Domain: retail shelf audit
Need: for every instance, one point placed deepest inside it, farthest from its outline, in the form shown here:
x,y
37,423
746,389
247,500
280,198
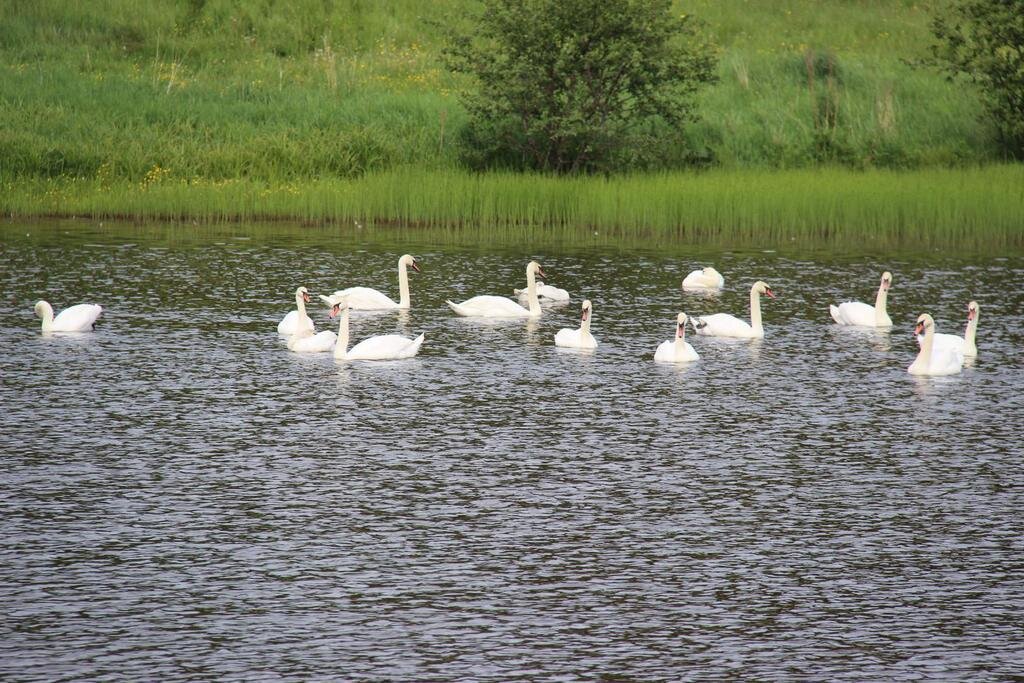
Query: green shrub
x,y
983,40
578,85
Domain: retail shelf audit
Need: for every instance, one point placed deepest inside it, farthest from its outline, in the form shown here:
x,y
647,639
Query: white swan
x,y
725,325
578,338
705,278
77,318
932,360
381,347
548,292
367,299
965,344
297,320
304,341
677,350
488,306
859,313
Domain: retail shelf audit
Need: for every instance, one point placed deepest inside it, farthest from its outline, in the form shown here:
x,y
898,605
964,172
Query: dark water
x,y
184,498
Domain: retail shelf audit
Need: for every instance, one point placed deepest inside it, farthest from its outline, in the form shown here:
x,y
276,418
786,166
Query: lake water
x,y
182,497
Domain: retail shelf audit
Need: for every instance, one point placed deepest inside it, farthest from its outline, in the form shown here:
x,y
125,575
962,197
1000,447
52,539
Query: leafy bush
x,y
578,85
984,41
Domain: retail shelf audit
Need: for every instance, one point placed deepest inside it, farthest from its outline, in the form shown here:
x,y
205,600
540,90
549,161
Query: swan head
x,y
924,323
43,310
681,325
886,281
302,293
586,310
761,287
410,262
534,268
340,304
972,310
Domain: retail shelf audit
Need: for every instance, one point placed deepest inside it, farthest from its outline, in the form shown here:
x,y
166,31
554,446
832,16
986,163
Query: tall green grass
x,y
218,89
977,208
769,112
278,91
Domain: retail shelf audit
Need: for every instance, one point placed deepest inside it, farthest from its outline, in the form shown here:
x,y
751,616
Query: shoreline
x,y
967,207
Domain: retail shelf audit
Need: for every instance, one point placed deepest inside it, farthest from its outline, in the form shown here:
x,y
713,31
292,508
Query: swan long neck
x,y
47,315
585,326
403,285
755,310
531,292
680,342
880,299
341,346
300,304
971,332
925,354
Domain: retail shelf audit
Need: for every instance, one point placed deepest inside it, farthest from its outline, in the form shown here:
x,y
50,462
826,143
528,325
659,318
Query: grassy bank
x,y
285,91
217,110
969,208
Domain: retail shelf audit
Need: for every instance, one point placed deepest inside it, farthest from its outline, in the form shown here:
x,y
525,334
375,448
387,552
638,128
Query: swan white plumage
x,y
488,306
726,325
579,338
705,278
368,299
932,360
77,318
380,347
297,320
966,344
304,341
677,350
548,292
859,313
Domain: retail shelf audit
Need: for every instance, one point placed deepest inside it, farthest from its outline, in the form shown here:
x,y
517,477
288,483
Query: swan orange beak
x,y
335,310
305,297
416,267
919,328
970,314
586,314
769,293
680,330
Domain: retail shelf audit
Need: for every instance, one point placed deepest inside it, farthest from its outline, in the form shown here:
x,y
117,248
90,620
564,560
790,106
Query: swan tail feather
x,y
834,311
455,307
414,348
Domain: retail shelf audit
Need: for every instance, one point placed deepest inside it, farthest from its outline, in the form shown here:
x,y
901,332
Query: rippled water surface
x,y
182,497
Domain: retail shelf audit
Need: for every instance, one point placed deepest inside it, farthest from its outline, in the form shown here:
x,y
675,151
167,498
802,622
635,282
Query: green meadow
x,y
822,122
